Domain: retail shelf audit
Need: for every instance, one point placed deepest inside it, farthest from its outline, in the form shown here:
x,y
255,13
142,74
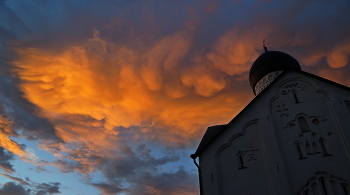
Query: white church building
x,y
293,138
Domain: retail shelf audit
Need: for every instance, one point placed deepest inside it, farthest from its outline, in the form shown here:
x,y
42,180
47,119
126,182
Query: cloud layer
x,y
97,83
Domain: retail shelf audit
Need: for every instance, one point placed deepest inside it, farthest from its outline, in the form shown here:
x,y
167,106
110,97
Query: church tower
x,y
291,139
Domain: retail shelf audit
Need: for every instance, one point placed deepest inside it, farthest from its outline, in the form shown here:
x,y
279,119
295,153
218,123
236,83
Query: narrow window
x,y
324,147
335,188
241,163
314,188
304,127
348,105
315,147
324,189
345,189
296,99
240,160
300,152
308,148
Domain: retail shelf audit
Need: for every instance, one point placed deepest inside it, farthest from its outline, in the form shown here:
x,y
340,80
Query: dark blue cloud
x,y
309,30
12,188
5,158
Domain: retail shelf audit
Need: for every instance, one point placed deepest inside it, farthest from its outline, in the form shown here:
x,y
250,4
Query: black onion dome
x,y
271,61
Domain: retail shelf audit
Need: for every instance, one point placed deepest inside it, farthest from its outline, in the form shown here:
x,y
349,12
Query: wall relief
x,y
292,87
322,183
251,151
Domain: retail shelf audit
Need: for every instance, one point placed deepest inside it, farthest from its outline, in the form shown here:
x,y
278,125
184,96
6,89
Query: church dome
x,y
270,62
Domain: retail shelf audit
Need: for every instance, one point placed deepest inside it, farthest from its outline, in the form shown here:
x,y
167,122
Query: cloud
x,y
5,157
47,188
6,142
180,182
28,186
19,180
338,57
142,171
11,188
234,52
97,83
107,189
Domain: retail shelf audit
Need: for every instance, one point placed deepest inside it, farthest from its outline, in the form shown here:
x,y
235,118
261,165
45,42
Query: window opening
x,y
314,187
308,148
296,99
304,127
324,147
240,160
315,147
300,152
324,187
345,190
348,105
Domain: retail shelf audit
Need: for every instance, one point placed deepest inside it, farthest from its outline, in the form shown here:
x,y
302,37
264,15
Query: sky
x,y
111,97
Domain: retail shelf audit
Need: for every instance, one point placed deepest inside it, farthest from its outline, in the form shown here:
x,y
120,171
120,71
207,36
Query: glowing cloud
x,y
97,84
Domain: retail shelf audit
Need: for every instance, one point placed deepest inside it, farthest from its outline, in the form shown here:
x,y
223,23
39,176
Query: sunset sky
x,y
111,97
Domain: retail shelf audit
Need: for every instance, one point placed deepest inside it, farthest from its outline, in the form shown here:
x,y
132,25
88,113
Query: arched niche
x,y
239,159
293,88
322,183
299,147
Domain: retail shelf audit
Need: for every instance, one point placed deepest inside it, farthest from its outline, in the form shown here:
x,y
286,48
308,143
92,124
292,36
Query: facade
x,y
291,139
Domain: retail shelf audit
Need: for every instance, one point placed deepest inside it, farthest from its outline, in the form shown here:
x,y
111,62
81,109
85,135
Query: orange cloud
x,y
91,89
5,141
147,78
233,53
338,57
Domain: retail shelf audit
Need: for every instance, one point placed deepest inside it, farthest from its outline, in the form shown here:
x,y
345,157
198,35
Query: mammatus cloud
x,y
97,83
339,56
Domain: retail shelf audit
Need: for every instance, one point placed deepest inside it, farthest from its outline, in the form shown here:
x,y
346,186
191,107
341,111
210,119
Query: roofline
x,y
195,155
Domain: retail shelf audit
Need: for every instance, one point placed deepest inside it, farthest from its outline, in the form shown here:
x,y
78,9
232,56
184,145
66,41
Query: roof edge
x,y
199,151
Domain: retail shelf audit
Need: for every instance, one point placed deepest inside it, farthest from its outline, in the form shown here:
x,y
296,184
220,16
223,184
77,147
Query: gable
x,y
213,132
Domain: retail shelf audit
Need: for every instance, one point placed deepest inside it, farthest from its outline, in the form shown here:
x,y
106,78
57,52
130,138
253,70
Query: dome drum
x,y
268,66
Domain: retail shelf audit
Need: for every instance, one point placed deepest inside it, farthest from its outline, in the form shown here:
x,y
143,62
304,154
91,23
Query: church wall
x,y
311,126
296,111
247,135
241,159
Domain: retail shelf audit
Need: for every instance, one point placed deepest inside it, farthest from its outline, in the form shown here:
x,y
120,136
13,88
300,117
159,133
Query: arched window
x,y
240,159
325,148
304,127
323,183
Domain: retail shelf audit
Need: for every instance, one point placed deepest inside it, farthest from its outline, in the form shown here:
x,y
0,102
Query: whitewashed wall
x,y
267,135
